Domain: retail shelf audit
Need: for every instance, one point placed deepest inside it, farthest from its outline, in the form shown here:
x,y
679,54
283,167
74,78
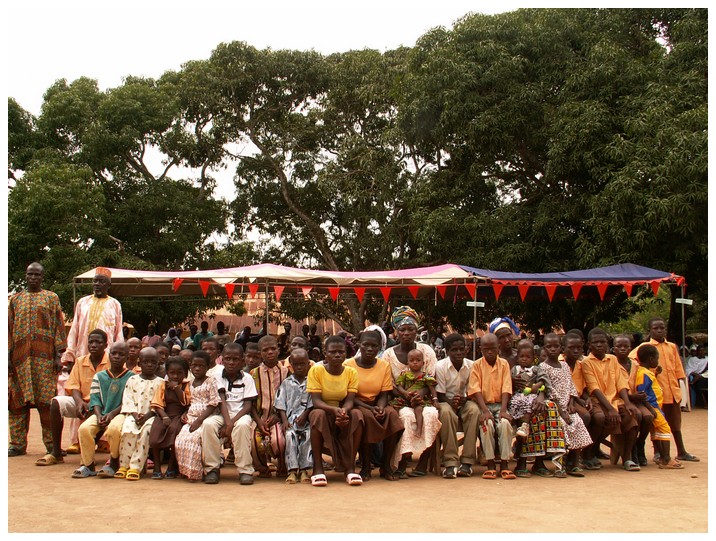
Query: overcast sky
x,y
107,41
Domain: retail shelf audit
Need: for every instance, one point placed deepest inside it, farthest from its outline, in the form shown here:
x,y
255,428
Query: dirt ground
x,y
47,499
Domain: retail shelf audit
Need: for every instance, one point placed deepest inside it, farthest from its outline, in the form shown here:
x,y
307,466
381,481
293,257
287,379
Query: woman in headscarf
x,y
505,329
406,323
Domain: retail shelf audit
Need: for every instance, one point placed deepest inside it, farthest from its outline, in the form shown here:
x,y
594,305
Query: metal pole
x,y
474,328
267,309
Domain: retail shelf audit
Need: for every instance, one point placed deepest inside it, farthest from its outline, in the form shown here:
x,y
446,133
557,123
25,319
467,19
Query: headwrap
x,y
404,315
103,271
383,340
504,323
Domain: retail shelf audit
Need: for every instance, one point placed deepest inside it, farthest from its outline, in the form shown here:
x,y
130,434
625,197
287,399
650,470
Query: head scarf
x,y
404,315
383,340
504,323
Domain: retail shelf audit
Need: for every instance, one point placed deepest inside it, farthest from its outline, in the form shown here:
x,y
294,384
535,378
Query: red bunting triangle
x,y
523,290
551,288
602,288
230,290
629,287
360,291
334,292
306,290
681,281
385,291
497,288
655,287
441,291
414,291
176,283
204,285
576,288
253,289
471,289
278,290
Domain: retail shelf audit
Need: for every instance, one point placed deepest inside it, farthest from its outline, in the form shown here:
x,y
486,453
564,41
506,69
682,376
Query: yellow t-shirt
x,y
333,389
372,381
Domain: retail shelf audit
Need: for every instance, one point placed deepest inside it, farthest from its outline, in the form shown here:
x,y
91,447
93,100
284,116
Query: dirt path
x,y
610,500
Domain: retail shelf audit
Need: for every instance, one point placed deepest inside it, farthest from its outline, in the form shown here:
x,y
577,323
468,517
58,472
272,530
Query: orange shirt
x,y
80,377
607,375
491,381
577,374
671,369
372,381
631,375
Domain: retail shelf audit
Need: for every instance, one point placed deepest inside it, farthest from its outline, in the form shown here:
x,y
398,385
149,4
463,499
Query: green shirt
x,y
106,391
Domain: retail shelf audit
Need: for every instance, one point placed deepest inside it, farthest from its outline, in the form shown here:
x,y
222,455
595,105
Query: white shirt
x,y
241,389
450,381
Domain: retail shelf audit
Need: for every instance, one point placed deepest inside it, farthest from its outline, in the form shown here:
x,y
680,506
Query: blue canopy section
x,y
625,272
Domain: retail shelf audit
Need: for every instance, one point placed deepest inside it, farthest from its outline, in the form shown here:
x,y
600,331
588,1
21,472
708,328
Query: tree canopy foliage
x,y
537,140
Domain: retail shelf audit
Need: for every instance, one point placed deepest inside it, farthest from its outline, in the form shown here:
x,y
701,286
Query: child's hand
x,y
505,415
184,419
172,385
566,418
379,413
166,420
261,426
195,425
302,419
286,427
272,420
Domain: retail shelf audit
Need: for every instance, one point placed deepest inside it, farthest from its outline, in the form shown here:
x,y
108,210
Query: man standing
x,y
36,341
96,311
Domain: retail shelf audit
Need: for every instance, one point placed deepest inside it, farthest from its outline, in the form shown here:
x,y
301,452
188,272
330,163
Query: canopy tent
x,y
439,280
534,286
254,279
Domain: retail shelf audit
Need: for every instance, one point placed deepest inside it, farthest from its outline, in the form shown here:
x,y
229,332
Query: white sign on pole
x,y
684,301
476,304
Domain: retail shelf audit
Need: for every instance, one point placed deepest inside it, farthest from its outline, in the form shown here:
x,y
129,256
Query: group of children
x,y
189,410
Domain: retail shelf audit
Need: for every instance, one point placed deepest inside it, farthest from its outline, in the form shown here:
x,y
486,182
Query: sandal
x,y
291,479
671,465
542,472
688,457
73,449
106,472
319,480
630,465
366,474
575,471
15,451
49,460
523,473
592,464
400,474
560,474
121,473
507,474
171,474
82,472
353,479
417,473
157,475
304,477
489,474
132,475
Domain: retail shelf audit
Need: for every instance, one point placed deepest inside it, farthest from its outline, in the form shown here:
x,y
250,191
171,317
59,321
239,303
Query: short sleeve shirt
x,y
237,391
333,389
372,381
491,381
452,382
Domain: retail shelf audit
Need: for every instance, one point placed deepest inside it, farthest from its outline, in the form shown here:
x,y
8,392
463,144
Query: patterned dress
x,y
267,382
137,398
36,333
293,399
575,434
187,445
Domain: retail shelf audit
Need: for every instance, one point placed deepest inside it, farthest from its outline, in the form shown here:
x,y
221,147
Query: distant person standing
x,y
36,341
151,339
203,335
192,333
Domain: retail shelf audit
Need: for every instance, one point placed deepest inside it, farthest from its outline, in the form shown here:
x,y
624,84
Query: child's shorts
x,y
660,429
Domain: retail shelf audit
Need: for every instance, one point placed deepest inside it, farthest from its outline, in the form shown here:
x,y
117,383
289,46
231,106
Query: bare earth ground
x,y
47,499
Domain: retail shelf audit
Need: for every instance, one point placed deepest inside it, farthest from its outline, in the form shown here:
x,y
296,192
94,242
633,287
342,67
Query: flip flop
x,y
523,473
319,480
157,475
507,474
630,465
171,474
49,460
132,475
106,472
542,472
688,457
82,472
353,479
489,474
15,451
417,473
575,471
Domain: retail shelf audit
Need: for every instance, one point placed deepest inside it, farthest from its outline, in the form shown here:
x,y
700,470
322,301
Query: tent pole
x,y
683,323
267,309
474,329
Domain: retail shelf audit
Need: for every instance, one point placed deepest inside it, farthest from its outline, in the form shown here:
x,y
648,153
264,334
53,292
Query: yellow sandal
x,y
121,473
133,475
